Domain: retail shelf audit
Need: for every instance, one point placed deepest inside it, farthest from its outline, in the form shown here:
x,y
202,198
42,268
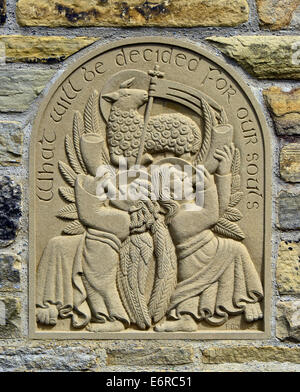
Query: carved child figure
x,y
87,291
216,276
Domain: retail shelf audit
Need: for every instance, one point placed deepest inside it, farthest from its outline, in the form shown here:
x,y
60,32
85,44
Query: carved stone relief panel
x,y
150,199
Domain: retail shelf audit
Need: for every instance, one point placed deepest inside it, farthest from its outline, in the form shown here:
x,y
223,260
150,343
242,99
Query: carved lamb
x,y
174,133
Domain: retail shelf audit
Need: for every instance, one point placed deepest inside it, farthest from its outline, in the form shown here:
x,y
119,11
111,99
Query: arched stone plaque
x,y
116,251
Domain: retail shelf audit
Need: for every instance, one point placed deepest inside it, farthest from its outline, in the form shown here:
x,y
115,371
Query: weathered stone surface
x,y
143,356
33,49
11,143
288,268
242,354
288,320
2,11
10,210
10,266
289,210
19,87
177,13
290,162
10,318
285,109
47,359
265,57
278,14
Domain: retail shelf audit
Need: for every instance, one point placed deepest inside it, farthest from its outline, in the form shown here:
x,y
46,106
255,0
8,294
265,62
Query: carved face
x,y
126,98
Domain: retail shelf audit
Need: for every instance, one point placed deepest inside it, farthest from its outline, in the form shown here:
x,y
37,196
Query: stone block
x,y
142,356
10,266
11,143
34,49
10,318
288,268
279,14
47,358
290,162
288,321
265,57
164,13
284,107
19,87
10,210
245,354
289,210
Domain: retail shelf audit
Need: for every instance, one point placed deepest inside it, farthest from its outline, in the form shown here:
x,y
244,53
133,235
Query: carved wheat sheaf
x,y
81,126
166,274
135,257
227,225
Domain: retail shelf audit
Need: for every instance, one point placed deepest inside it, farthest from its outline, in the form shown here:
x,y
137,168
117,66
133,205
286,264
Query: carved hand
x,y
225,157
208,179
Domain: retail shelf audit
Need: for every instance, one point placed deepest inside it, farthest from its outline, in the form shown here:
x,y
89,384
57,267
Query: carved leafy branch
x,y
90,123
227,225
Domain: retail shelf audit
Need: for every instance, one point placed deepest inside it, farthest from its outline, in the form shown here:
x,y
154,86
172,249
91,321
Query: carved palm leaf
x,y
72,156
91,124
78,131
236,163
74,228
229,229
68,212
235,199
91,114
233,214
236,184
67,193
67,173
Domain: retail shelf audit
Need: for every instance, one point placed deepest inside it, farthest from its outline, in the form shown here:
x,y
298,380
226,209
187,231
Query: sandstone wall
x,y
39,39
